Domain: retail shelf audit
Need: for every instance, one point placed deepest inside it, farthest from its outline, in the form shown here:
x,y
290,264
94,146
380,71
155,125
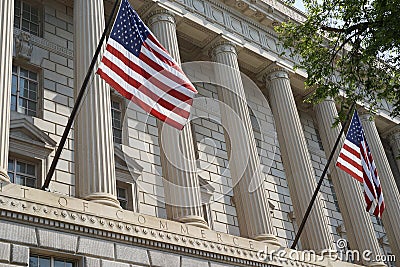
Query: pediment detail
x,y
126,163
25,131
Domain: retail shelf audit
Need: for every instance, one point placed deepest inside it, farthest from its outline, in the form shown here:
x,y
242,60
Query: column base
x,y
103,198
193,220
4,177
268,238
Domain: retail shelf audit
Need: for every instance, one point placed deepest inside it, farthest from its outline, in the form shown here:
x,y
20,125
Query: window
x,y
42,261
122,196
24,91
22,172
116,113
26,17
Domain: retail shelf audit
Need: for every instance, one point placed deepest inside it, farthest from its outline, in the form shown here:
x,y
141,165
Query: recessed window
x,y
24,91
42,261
122,196
116,113
27,17
22,172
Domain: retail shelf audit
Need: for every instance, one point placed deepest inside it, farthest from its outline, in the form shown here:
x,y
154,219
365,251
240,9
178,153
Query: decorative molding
x,y
23,46
45,44
231,21
38,208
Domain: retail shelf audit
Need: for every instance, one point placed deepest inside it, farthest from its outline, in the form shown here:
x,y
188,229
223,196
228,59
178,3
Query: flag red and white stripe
x,y
356,159
140,68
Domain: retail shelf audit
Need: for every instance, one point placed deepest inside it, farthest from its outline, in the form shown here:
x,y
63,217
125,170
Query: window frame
x,y
18,95
56,257
35,4
19,63
119,99
25,161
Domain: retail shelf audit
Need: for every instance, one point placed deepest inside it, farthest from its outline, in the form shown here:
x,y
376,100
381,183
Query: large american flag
x,y
356,159
141,69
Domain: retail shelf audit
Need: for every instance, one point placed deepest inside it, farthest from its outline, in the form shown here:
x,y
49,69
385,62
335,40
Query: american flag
x,y
141,69
356,159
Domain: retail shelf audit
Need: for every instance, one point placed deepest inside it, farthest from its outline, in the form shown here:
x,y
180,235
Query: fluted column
x,y
394,139
296,159
178,160
244,163
391,215
6,39
359,228
94,149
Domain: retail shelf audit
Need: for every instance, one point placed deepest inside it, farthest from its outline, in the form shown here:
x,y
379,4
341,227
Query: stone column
x,y
6,46
296,159
244,163
358,224
391,215
394,139
178,160
94,148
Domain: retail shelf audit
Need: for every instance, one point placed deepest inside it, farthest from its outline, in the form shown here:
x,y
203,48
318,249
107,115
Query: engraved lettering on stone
x,y
219,237
184,229
141,219
251,244
119,214
25,190
235,241
85,206
203,234
163,225
62,201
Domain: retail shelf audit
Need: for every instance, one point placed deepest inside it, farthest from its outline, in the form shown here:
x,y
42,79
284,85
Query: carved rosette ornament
x,y
23,46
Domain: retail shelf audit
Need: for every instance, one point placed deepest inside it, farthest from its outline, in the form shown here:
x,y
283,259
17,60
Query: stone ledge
x,y
39,208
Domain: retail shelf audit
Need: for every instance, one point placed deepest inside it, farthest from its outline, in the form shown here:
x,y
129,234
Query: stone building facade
x,y
120,195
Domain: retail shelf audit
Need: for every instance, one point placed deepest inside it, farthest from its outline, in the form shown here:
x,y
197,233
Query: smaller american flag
x,y
140,68
356,159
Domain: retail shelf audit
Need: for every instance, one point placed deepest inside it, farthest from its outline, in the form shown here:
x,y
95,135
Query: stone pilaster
x,y
391,215
394,139
94,148
251,201
178,160
6,46
358,224
300,174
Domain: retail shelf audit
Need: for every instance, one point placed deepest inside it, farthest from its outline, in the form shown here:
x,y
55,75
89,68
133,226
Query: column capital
x,y
222,46
276,72
161,15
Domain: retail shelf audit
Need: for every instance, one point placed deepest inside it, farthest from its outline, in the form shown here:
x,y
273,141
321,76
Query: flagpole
x,y
79,99
308,211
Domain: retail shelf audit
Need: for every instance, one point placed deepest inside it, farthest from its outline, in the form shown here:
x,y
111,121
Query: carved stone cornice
x,y
226,21
43,209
